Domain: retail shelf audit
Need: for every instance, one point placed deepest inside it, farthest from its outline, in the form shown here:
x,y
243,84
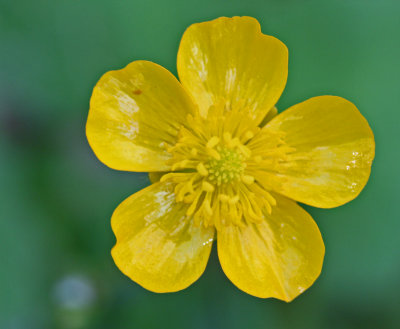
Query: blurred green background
x,y
56,198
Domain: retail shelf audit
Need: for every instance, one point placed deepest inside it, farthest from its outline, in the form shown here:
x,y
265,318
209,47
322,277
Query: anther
x,y
233,200
223,197
245,150
207,187
193,206
180,164
207,207
213,141
202,169
234,142
247,179
193,152
271,199
214,153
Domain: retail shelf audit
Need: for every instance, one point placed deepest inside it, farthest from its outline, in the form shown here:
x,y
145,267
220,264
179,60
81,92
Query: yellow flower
x,y
229,167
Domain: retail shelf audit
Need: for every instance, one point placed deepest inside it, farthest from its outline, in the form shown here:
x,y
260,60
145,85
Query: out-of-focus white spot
x,y
74,292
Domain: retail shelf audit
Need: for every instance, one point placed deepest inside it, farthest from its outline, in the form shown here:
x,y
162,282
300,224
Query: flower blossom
x,y
225,166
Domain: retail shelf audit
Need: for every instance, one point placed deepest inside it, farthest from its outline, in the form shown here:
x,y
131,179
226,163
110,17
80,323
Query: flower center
x,y
228,168
215,165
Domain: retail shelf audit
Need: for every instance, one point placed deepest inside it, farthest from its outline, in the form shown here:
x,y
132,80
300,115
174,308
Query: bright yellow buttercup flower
x,y
229,166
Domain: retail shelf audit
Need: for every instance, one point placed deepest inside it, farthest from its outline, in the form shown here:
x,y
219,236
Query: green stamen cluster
x,y
228,168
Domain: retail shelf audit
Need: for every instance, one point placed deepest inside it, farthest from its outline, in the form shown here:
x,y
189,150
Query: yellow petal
x,y
279,257
134,113
157,244
230,59
332,156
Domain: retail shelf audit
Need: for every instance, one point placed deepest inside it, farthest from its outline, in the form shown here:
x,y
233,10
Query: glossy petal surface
x,y
333,152
157,244
230,59
134,113
279,257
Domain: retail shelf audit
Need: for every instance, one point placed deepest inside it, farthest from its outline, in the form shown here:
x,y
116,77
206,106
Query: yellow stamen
x,y
213,141
207,187
223,198
216,162
214,153
201,169
247,179
179,165
234,199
